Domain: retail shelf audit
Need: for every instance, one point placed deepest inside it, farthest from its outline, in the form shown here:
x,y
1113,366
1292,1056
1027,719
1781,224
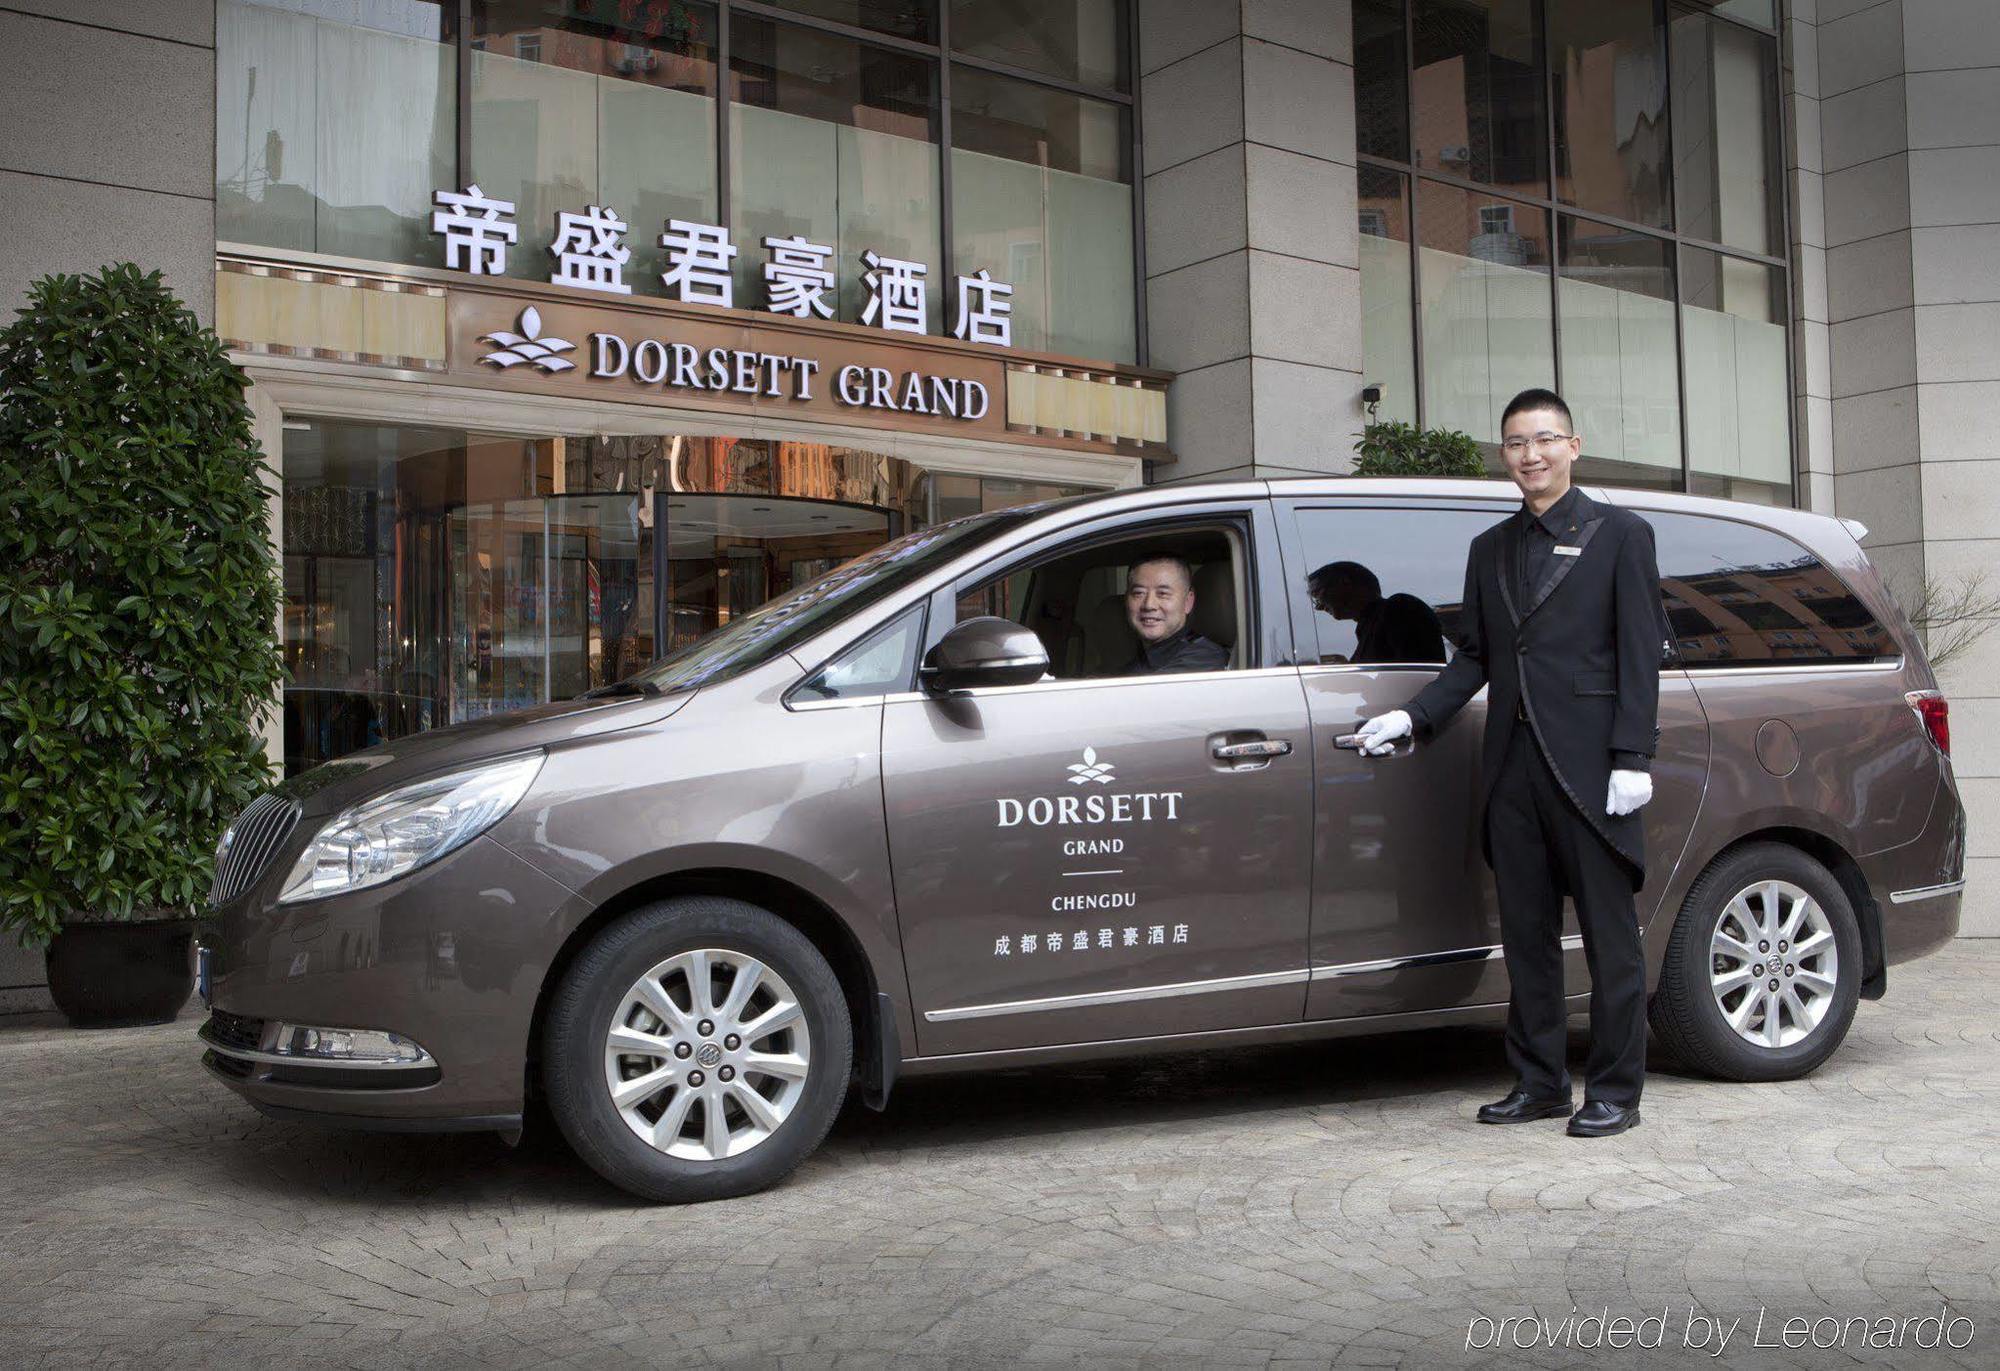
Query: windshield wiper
x,y
629,686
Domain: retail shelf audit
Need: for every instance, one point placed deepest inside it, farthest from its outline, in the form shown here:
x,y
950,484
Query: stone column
x,y
1910,122
109,153
1253,288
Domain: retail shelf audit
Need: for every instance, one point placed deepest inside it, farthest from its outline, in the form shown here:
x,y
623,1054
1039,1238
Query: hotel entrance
x,y
438,575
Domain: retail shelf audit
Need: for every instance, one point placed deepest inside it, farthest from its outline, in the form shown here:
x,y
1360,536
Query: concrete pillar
x,y
1910,129
1253,287
109,154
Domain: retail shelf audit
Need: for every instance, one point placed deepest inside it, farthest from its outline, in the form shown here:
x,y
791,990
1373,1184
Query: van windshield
x,y
778,625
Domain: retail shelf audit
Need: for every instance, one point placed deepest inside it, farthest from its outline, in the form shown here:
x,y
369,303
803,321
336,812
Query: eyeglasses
x,y
1544,441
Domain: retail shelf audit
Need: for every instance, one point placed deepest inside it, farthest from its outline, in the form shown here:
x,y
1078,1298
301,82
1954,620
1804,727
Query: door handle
x,y
1402,747
1262,747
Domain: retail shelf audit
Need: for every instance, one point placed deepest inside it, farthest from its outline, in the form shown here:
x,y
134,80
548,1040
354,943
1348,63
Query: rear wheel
x,y
699,1048
1763,970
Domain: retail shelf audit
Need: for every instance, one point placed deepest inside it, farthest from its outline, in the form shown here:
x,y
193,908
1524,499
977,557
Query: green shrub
x,y
138,598
1398,449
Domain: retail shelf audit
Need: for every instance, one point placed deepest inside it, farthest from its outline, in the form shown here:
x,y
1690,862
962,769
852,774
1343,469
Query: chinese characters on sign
x,y
1055,940
798,275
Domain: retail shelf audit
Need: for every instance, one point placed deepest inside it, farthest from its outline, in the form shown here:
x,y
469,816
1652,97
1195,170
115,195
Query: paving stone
x,y
1309,1205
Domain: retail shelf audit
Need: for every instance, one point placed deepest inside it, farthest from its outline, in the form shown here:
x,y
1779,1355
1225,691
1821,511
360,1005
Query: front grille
x,y
234,1030
259,831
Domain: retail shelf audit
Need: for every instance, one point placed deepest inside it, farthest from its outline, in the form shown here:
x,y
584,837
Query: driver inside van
x,y
1159,596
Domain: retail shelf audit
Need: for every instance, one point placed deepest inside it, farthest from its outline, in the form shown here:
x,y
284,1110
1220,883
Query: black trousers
x,y
1543,849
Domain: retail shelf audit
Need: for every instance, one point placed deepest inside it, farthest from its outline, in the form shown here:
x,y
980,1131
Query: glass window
x,y
1739,595
1083,606
1478,92
904,18
1726,184
885,662
1609,67
434,575
300,161
1381,80
1750,11
570,110
1619,370
1386,585
1042,198
1486,313
1077,40
831,139
1387,322
794,617
1738,394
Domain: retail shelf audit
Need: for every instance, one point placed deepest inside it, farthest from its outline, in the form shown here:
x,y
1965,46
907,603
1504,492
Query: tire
x,y
1691,1010
799,1070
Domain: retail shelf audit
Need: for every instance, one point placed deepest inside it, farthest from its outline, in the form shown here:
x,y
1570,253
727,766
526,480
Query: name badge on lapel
x,y
1562,551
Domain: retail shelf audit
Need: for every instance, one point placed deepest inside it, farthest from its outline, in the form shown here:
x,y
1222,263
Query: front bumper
x,y
450,959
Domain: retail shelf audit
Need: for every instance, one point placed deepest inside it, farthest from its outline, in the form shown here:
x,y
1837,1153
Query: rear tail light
x,y
1934,714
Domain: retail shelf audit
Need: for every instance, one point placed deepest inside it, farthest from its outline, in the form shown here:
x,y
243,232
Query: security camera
x,y
1372,393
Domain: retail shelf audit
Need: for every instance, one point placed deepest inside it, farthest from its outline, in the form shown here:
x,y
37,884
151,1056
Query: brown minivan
x,y
914,817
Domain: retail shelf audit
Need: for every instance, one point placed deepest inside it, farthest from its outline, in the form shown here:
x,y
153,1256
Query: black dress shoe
x,y
1521,1107
1600,1120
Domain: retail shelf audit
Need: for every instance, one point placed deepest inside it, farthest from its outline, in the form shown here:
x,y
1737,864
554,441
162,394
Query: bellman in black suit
x,y
1562,622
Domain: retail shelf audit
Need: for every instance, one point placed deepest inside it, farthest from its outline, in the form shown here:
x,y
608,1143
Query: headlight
x,y
394,834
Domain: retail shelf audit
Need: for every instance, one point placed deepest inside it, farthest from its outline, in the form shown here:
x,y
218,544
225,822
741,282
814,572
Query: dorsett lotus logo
x,y
528,346
1090,769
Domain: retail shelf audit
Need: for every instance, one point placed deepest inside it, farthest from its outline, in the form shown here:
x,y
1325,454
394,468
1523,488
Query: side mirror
x,y
986,651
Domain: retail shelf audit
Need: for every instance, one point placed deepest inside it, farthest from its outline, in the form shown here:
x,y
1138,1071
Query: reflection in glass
x,y
1739,595
1042,198
1478,88
1725,134
904,18
1387,330
1739,434
570,111
1387,584
1750,11
1381,89
299,161
1077,40
1484,268
831,140
1618,366
1609,68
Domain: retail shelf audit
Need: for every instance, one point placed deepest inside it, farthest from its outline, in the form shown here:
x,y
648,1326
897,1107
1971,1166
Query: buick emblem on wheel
x,y
1091,778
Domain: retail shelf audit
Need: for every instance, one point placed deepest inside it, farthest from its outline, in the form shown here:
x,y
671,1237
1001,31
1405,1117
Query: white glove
x,y
1629,790
1378,735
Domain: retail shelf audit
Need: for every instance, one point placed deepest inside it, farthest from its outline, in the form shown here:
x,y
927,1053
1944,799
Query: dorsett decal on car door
x,y
1090,808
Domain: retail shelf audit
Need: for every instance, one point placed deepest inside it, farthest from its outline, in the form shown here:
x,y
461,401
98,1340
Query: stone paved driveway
x,y
1319,1204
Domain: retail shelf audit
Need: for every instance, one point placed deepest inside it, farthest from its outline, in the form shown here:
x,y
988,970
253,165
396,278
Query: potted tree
x,y
138,599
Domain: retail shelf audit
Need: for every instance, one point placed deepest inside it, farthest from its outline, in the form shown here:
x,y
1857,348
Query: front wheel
x,y
698,1049
1763,970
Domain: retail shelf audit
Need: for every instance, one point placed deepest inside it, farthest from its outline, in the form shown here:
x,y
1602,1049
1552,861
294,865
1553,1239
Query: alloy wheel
x,y
707,1054
1773,964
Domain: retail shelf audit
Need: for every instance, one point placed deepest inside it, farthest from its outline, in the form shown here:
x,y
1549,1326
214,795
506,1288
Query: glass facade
x,y
1582,194
438,575
956,135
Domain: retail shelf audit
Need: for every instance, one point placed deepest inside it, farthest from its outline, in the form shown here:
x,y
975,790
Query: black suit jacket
x,y
1583,655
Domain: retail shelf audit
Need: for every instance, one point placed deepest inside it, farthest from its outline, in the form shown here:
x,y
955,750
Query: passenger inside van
x,y
1080,605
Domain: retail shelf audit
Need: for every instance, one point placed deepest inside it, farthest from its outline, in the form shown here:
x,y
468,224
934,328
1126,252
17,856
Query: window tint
x,y
1385,584
882,663
1739,595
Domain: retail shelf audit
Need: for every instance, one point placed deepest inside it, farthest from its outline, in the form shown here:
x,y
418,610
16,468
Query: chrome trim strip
x,y
1926,892
1893,664
1101,997
1343,668
427,1062
1570,943
1100,682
